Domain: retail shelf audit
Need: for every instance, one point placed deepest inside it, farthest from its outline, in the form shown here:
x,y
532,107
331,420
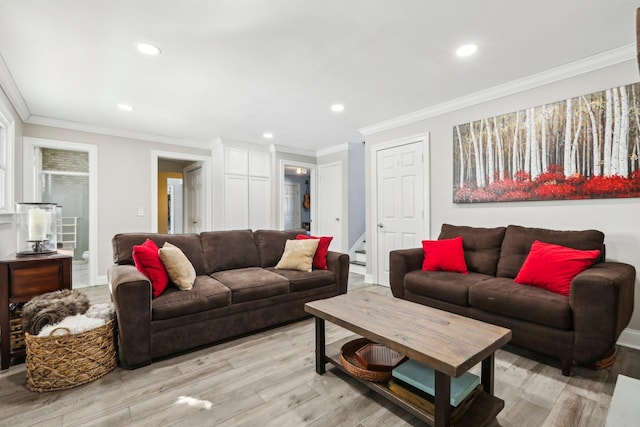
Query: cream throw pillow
x,y
298,255
178,266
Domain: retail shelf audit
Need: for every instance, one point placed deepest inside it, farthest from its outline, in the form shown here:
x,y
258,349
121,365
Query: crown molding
x,y
291,150
83,127
8,84
331,150
582,66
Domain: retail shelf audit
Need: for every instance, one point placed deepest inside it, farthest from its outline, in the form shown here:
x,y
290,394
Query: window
x,y
7,137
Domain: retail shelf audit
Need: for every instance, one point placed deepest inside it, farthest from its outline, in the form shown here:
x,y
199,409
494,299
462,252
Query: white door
x,y
259,203
330,203
399,210
291,206
236,202
193,198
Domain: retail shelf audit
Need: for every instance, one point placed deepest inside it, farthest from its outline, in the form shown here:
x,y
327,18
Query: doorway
x,y
297,205
180,192
65,173
400,200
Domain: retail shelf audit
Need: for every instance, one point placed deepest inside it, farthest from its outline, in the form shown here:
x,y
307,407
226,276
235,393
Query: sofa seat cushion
x,y
207,293
302,281
253,283
505,297
443,285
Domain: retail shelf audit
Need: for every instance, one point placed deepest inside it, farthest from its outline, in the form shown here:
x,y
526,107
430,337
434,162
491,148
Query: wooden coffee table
x,y
449,343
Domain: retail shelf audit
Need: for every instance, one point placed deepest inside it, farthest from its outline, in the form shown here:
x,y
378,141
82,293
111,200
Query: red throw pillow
x,y
444,255
147,261
320,257
552,267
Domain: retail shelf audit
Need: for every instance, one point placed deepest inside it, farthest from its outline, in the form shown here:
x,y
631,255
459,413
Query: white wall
x,y
7,224
357,213
124,168
619,219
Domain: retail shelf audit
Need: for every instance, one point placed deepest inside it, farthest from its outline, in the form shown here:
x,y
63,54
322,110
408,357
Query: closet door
x,y
236,202
259,203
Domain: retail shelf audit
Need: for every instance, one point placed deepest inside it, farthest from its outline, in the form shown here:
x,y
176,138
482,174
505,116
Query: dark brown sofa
x,y
237,290
581,328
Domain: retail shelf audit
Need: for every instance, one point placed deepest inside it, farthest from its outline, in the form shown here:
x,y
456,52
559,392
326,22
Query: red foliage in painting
x,y
634,181
601,186
554,191
515,196
551,185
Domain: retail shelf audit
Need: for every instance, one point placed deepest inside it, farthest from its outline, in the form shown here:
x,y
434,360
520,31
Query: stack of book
x,y
415,383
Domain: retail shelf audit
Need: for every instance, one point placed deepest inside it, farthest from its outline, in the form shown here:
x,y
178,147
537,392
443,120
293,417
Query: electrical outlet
x,y
140,211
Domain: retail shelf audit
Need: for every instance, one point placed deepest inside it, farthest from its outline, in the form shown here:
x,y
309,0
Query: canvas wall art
x,y
580,148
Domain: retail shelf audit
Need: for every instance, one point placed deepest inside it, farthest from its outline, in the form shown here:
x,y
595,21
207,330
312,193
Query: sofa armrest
x,y
401,262
601,300
131,295
338,263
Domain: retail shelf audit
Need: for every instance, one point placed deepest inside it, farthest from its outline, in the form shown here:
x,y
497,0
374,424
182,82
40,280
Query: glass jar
x,y
36,228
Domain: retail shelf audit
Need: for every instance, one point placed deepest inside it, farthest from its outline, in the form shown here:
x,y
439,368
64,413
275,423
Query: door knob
x,y
380,225
337,219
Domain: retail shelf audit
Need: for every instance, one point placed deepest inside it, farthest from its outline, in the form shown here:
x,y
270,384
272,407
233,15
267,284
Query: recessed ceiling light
x,y
466,50
125,107
267,135
337,108
148,49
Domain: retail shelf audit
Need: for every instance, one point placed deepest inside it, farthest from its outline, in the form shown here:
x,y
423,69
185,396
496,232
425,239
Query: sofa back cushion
x,y
481,246
189,244
270,244
518,240
228,250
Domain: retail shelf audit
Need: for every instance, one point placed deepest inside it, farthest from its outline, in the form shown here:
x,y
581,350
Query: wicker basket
x,y
353,366
59,362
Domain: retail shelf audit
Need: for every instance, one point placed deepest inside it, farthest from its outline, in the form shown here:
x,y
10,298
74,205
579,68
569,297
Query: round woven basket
x,y
351,364
58,362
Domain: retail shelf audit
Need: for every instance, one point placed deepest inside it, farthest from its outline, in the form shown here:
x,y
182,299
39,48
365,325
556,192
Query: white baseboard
x,y
102,280
368,278
630,338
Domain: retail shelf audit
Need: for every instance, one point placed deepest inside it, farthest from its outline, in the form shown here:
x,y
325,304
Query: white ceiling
x,y
238,68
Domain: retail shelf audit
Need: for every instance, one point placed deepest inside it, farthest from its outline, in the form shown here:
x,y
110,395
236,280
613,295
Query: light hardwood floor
x,y
268,379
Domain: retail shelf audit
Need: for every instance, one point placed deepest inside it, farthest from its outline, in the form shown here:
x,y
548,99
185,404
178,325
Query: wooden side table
x,y
22,278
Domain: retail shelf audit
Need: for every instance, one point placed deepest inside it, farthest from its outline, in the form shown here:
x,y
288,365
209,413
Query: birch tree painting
x,y
581,148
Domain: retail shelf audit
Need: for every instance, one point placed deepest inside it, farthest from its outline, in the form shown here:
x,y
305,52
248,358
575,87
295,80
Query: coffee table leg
x,y
486,377
320,355
442,398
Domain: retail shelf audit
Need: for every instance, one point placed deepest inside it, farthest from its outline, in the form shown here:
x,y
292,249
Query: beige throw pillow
x,y
178,266
298,255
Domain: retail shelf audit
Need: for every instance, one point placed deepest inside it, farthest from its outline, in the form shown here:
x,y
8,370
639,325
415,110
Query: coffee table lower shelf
x,y
482,411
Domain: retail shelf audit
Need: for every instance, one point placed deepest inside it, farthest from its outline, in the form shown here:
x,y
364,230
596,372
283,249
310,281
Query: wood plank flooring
x,y
268,379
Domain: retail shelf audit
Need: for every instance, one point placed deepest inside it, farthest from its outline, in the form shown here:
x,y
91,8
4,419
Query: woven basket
x,y
58,362
353,366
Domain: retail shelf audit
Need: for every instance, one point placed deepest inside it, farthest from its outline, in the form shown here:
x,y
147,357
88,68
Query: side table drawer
x,y
27,282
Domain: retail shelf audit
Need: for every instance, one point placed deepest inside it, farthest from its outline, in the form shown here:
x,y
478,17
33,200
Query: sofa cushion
x,y
301,281
481,246
254,283
207,293
443,285
189,244
444,255
505,297
226,250
179,269
320,257
148,262
298,255
553,267
518,240
270,244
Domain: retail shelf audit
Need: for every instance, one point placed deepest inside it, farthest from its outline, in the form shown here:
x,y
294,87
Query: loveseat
x,y
237,290
580,328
